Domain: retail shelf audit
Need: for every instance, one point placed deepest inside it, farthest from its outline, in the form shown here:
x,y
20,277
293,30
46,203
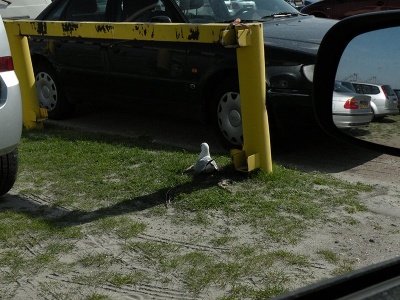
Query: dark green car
x,y
189,80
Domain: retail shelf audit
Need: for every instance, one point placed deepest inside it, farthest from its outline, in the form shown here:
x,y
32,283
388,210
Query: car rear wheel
x,y
51,93
227,115
8,171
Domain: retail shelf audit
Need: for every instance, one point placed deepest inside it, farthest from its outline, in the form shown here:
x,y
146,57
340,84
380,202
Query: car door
x,y
147,73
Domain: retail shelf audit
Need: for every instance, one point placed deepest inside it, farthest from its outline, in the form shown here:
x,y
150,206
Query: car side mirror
x,y
362,52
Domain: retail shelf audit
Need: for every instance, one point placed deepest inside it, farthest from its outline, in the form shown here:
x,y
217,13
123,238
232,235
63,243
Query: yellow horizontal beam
x,y
170,32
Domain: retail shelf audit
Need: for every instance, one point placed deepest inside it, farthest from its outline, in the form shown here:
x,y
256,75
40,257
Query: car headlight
x,y
308,72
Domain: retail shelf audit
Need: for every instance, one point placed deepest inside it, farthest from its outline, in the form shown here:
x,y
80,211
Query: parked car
x,y
383,99
10,116
298,4
192,80
339,9
308,2
22,9
349,109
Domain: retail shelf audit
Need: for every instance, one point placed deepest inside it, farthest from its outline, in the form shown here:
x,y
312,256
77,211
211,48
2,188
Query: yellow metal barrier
x,y
248,39
33,115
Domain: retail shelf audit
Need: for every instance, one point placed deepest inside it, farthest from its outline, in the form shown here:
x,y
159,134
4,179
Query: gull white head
x,y
205,150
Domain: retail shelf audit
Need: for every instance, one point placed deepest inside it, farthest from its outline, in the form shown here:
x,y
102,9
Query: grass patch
x,y
166,224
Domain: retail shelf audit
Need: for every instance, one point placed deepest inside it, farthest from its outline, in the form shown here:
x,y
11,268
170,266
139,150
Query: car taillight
x,y
384,91
6,64
351,104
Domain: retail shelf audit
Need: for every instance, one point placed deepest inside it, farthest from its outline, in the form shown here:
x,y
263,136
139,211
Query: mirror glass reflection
x,y
366,96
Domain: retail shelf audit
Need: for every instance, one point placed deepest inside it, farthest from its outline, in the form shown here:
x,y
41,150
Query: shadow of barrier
x,y
246,38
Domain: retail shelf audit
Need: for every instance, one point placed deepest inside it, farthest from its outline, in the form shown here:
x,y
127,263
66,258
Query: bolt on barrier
x,y
246,38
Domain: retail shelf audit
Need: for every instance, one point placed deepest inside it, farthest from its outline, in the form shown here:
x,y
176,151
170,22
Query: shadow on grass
x,y
37,207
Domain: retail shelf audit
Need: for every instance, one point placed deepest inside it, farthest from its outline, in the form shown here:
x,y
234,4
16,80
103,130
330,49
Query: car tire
x,y
8,171
374,117
51,92
226,114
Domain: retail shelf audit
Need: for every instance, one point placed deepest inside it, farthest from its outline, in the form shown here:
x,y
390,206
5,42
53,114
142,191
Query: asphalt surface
x,y
307,152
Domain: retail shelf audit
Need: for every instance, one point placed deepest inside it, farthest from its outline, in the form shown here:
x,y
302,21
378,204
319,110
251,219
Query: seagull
x,y
205,164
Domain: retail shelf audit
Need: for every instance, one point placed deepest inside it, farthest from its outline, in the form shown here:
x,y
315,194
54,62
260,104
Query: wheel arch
x,y
38,57
211,83
209,87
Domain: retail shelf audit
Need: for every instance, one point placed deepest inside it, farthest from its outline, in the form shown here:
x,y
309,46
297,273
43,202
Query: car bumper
x,y
10,112
351,121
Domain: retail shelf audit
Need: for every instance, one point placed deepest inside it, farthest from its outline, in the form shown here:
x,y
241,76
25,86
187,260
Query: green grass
x,y
110,187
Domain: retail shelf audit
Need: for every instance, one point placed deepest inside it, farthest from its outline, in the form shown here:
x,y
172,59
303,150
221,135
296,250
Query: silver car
x,y
10,115
349,109
22,9
383,99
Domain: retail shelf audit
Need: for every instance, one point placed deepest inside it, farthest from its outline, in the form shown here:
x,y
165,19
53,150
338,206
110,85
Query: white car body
x,y
22,9
10,115
384,101
349,109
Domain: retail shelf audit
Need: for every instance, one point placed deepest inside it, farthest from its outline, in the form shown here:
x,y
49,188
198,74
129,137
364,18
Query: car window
x,y
370,89
203,11
357,87
56,13
89,10
339,88
141,11
349,86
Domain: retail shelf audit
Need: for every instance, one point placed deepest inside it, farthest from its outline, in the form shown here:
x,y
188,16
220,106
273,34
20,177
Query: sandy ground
x,y
374,239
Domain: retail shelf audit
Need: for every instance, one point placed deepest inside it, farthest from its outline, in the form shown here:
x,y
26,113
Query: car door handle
x,y
380,3
115,48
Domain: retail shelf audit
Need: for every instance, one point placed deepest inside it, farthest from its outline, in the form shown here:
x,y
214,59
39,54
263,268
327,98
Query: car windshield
x,y
341,88
203,11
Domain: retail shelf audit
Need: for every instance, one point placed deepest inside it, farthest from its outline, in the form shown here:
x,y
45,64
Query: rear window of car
x,y
389,90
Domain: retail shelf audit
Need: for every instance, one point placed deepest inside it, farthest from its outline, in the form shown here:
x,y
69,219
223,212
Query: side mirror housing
x,y
334,45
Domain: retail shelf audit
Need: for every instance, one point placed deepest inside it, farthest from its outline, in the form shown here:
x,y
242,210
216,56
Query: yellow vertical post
x,y
251,67
33,115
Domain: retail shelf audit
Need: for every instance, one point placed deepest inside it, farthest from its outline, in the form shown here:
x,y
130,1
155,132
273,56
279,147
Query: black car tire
x,y
8,171
226,114
51,92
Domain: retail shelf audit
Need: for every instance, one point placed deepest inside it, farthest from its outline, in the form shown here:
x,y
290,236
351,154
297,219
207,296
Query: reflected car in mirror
x,y
349,109
384,101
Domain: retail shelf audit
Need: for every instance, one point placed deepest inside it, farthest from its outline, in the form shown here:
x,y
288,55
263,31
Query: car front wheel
x,y
51,93
8,171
